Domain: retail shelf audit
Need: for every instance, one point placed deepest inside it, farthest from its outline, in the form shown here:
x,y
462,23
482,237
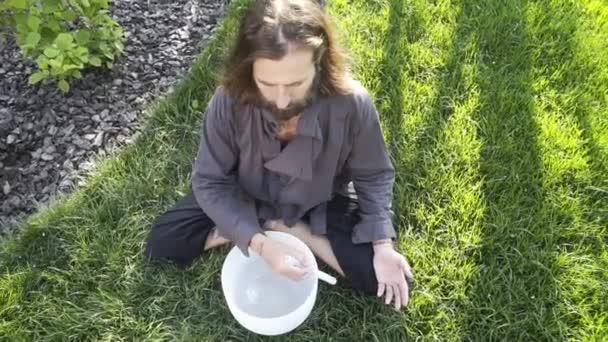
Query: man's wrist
x,y
382,243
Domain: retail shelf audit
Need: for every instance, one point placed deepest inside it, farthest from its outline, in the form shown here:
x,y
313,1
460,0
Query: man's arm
x,y
214,180
373,175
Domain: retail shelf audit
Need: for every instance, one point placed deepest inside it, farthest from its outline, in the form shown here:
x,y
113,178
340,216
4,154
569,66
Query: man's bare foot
x,y
214,240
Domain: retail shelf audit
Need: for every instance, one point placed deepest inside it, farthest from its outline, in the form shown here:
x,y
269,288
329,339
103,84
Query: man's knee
x,y
357,261
153,245
363,280
176,241
160,243
157,250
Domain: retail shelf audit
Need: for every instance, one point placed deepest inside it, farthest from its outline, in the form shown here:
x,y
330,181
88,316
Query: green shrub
x,y
63,36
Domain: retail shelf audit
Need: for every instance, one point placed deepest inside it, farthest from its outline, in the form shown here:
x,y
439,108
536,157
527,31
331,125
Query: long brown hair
x,y
265,31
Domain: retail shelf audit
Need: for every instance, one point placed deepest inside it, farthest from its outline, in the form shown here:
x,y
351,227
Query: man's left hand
x,y
391,270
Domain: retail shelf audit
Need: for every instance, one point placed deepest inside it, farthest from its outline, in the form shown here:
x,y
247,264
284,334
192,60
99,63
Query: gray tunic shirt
x,y
242,176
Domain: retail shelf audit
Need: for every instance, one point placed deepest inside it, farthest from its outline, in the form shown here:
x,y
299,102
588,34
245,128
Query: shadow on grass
x,y
403,29
513,295
573,96
580,88
411,150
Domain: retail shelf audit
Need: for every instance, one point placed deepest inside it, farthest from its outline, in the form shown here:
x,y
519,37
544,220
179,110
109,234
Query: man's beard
x,y
294,108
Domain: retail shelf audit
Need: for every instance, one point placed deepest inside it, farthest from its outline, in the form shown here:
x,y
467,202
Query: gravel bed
x,y
48,139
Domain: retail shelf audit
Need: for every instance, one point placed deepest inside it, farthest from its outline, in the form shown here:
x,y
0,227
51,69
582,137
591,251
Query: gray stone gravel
x,y
47,138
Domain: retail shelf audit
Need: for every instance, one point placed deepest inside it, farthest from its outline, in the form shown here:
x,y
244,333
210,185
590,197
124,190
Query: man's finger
x,y
397,295
409,276
405,297
297,258
304,262
389,294
381,287
408,270
296,273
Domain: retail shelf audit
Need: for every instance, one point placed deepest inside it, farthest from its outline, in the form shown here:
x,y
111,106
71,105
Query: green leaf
x,y
55,66
108,55
86,3
64,86
21,22
51,52
64,41
22,29
77,74
47,36
56,69
50,6
36,77
75,4
69,15
42,62
53,24
67,67
119,46
195,104
33,23
82,37
32,39
18,4
81,51
34,10
95,61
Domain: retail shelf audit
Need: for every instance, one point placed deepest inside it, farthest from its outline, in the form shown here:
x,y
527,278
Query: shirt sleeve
x,y
372,174
214,179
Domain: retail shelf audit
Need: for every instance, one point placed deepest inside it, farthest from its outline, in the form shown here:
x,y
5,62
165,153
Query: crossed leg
x,y
184,232
319,245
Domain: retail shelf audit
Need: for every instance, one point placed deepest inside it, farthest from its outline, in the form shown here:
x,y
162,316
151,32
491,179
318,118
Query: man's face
x,y
287,84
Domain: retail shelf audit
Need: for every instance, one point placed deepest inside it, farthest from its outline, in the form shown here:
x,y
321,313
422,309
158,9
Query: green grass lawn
x,y
496,116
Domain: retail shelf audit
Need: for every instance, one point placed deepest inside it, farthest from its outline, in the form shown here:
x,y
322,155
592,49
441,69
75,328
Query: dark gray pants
x,y
180,233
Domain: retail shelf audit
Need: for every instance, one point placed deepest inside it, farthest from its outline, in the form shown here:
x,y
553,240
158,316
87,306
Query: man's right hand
x,y
277,255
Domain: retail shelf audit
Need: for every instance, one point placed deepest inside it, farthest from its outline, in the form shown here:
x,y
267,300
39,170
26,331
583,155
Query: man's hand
x,y
282,258
391,270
